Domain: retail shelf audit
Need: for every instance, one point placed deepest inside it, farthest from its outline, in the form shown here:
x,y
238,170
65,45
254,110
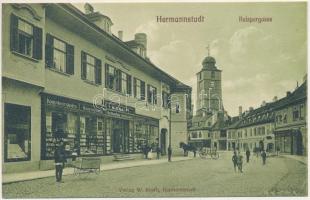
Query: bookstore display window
x,y
88,132
17,132
140,136
60,126
153,137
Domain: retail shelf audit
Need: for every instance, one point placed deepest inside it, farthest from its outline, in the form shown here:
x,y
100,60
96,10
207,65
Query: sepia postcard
x,y
154,99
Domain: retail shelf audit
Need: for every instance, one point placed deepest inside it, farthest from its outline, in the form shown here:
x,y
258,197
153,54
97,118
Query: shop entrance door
x,y
120,134
116,141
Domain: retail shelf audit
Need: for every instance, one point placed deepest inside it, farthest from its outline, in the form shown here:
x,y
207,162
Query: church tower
x,y
209,88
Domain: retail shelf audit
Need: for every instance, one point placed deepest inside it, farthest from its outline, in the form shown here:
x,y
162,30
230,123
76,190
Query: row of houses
x,y
280,125
65,76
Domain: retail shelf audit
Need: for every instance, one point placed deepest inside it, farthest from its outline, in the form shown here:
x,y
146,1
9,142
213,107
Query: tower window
x,y
212,74
200,75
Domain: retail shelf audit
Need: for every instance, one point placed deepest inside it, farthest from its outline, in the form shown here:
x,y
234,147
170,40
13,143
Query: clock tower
x,y
209,88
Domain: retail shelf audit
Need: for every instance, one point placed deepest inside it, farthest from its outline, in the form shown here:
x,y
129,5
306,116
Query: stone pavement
x,y
303,159
24,176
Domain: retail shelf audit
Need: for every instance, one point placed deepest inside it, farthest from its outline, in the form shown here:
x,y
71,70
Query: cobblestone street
x,y
197,177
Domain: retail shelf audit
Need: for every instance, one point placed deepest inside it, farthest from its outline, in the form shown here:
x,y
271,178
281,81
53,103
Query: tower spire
x,y
208,48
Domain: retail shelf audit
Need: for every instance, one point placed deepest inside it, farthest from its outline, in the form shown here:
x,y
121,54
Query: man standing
x,y
248,153
60,159
234,160
169,153
264,156
158,152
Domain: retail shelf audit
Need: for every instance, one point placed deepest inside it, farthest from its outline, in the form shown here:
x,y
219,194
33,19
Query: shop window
x,y
17,144
91,68
26,39
151,94
88,135
140,136
59,55
139,89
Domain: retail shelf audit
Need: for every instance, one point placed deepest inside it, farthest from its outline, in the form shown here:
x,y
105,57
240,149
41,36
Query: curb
x,y
101,170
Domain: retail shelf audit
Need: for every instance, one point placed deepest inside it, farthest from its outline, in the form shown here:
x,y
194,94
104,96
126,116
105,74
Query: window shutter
x,y
155,96
83,65
149,99
98,73
49,52
37,43
118,80
14,33
128,84
70,59
135,87
142,90
106,74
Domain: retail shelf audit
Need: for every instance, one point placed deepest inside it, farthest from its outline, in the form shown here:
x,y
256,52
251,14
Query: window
x,y
194,134
139,89
17,140
113,78
200,135
151,94
212,74
25,38
59,55
177,109
165,100
295,114
91,68
302,112
200,75
126,84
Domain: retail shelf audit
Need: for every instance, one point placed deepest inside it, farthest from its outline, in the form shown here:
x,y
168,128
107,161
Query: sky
x,y
258,60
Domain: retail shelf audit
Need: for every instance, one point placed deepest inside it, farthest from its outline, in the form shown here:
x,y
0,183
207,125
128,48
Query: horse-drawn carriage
x,y
211,153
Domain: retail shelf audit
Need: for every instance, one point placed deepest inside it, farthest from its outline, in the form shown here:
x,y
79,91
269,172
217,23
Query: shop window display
x,y
17,132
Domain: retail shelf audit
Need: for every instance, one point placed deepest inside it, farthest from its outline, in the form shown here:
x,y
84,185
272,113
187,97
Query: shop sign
x,y
54,101
113,106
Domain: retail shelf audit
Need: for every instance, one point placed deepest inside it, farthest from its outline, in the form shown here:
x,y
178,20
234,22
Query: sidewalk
x,y
16,177
302,159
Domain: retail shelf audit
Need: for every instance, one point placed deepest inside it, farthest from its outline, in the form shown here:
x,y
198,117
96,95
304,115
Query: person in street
x,y
264,156
158,152
278,150
60,159
247,153
195,151
234,160
240,162
169,153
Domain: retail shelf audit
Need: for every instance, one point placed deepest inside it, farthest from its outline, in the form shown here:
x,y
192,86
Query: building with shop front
x,y
66,77
291,135
280,125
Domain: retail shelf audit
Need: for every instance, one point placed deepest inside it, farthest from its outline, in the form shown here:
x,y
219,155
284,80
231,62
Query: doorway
x,y
163,141
120,134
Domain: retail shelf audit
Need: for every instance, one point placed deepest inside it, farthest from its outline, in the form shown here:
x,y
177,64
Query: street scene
x,y
154,100
196,177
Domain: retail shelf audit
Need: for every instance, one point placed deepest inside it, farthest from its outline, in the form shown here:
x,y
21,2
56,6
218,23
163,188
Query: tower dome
x,y
209,62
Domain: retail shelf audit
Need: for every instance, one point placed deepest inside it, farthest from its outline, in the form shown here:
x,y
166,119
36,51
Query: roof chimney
x,y
120,35
240,111
88,8
275,98
141,39
264,103
288,93
251,109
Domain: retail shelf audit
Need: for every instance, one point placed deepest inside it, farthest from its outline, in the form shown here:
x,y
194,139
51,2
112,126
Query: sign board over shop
x,y
108,107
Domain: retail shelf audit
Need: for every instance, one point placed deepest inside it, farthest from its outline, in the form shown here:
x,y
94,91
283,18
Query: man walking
x,y
169,153
158,152
60,159
264,156
247,153
240,162
234,160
